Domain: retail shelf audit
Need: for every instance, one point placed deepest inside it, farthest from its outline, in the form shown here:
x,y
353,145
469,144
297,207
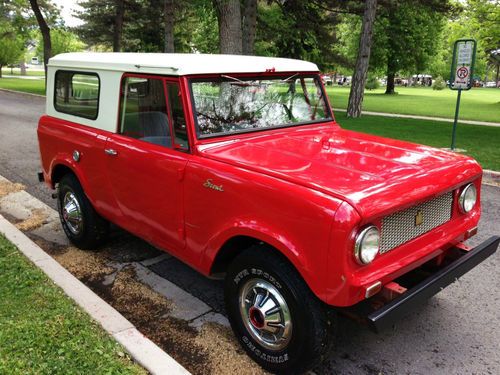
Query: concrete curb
x,y
22,93
142,350
491,177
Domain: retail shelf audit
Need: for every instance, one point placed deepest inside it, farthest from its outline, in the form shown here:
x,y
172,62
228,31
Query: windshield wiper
x,y
253,83
239,81
287,79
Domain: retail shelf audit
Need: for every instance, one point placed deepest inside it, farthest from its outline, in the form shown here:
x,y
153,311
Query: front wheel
x,y
276,318
81,223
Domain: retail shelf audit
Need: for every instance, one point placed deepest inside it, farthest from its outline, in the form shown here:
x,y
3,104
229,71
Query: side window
x,y
178,118
143,110
77,93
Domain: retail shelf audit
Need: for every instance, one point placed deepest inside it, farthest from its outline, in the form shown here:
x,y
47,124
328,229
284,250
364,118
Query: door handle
x,y
110,151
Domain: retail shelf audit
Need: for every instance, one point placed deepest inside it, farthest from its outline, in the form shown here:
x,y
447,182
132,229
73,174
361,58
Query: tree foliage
x,y
410,36
11,46
19,24
195,25
439,83
298,29
19,15
372,83
406,38
62,41
478,19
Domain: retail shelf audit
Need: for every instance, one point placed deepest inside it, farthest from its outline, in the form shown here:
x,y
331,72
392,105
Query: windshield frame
x,y
223,77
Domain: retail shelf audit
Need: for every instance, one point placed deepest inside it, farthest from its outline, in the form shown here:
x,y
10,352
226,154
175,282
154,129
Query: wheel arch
x,y
60,167
220,258
59,171
233,247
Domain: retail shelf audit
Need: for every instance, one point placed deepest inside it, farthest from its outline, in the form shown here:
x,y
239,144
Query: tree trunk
x,y
229,17
391,73
365,43
249,26
118,29
169,26
23,68
498,74
1,66
45,30
390,82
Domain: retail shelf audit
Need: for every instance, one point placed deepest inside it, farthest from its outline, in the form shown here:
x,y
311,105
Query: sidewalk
x,y
442,119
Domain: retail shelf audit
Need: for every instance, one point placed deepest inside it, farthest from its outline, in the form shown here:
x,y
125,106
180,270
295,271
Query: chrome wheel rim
x,y
265,314
72,213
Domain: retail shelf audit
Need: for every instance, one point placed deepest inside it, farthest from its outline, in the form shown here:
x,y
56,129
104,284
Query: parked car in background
x,y
327,79
491,84
236,165
344,80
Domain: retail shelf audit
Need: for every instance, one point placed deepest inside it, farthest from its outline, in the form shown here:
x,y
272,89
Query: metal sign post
x,y
462,68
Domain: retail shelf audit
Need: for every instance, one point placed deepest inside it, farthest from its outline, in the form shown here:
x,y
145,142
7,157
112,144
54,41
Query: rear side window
x,y
77,93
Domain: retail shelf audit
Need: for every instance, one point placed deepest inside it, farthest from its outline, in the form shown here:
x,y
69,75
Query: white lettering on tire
x,y
266,357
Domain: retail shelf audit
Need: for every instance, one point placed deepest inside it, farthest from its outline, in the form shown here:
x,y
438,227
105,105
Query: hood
x,y
373,174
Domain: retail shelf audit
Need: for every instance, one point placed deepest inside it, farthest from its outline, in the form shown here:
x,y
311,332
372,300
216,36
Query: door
x,y
146,161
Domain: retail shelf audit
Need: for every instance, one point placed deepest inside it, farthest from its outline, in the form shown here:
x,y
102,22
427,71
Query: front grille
x,y
401,226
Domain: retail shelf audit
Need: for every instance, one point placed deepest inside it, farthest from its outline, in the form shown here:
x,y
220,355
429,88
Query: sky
x,y
68,6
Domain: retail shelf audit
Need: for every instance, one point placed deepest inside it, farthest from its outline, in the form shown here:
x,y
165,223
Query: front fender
x,y
313,272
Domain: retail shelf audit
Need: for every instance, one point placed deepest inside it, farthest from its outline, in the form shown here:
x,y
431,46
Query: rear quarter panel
x,y
58,139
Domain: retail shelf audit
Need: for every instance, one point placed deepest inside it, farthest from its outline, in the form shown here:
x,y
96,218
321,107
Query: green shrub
x,y
372,83
439,84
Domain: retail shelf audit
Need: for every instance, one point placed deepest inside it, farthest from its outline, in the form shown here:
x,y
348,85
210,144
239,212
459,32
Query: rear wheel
x,y
276,318
81,223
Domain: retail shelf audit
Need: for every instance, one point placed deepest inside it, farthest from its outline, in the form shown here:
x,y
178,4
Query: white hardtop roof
x,y
178,63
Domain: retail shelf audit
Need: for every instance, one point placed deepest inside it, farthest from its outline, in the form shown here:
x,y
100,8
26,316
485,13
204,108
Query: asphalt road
x,y
456,332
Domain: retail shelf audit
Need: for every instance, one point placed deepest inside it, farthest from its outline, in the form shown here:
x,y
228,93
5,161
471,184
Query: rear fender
x,y
66,160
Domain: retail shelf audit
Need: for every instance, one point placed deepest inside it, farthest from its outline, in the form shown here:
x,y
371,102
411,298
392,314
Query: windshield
x,y
231,104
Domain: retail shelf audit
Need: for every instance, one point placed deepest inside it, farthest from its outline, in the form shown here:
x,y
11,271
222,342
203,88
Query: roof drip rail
x,y
156,67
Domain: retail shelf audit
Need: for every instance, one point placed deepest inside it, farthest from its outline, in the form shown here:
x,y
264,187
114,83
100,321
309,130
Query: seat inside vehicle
x,y
150,127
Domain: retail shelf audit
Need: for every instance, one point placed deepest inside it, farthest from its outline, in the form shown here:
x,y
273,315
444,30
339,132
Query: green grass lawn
x,y
481,104
17,72
25,85
43,332
481,142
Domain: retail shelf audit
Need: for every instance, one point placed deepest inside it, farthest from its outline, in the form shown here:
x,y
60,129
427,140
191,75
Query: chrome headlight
x,y
367,245
467,198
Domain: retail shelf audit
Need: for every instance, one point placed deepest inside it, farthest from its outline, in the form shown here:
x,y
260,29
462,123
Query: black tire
x,y
312,325
93,230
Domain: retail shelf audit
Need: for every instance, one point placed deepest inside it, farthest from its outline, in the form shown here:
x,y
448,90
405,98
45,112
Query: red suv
x,y
236,165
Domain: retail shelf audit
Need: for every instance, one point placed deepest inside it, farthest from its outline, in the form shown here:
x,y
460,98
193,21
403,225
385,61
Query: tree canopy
x,y
409,36
11,46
